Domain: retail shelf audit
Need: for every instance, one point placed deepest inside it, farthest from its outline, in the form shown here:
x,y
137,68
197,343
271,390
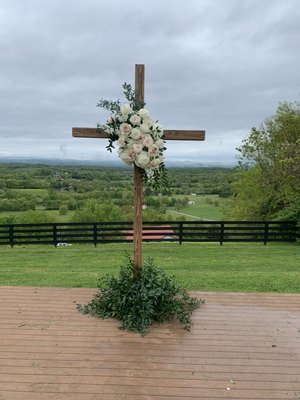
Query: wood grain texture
x,y
197,135
139,85
247,342
184,135
89,133
137,177
137,217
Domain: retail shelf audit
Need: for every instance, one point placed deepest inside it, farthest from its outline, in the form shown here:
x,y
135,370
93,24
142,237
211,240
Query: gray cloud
x,y
217,65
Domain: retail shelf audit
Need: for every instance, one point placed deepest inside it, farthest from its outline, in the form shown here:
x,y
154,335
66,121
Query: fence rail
x,y
171,231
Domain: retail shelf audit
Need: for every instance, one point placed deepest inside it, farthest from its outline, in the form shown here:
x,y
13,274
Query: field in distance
x,y
201,207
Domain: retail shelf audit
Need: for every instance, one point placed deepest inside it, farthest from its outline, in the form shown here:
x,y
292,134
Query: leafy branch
x,y
112,106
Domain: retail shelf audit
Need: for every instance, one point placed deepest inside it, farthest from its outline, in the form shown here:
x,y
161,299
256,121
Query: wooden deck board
x,y
242,346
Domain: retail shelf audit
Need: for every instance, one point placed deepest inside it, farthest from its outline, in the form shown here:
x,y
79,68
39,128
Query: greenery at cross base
x,y
267,183
141,297
233,267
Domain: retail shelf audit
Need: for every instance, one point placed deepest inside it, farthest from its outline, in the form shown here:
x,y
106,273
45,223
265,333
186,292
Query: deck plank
x,y
241,346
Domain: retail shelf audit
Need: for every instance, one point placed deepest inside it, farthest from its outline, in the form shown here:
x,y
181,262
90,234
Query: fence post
x,y
266,233
55,235
293,230
222,233
95,234
180,232
11,235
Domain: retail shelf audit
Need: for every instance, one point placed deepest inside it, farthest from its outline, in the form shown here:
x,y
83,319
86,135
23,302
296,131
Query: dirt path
x,y
191,216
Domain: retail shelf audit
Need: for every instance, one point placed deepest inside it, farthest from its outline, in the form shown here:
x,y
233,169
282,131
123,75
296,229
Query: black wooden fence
x,y
176,231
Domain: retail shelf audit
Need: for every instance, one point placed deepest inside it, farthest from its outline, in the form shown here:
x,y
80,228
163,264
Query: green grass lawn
x,y
201,208
8,213
197,266
56,215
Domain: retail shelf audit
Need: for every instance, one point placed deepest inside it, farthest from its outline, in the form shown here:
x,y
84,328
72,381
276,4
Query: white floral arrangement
x,y
138,136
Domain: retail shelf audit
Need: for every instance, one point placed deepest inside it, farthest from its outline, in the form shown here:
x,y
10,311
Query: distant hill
x,y
58,161
108,163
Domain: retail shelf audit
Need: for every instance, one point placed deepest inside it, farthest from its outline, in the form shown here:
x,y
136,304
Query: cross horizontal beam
x,y
168,134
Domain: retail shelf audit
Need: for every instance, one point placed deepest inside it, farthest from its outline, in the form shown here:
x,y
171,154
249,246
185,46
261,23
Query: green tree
x,y
154,215
268,179
92,211
36,217
63,209
7,219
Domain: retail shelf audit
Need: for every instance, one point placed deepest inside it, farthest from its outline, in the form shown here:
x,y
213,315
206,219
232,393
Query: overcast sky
x,y
218,65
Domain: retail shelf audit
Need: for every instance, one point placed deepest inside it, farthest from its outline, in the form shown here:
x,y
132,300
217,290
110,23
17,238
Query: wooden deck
x,y
242,346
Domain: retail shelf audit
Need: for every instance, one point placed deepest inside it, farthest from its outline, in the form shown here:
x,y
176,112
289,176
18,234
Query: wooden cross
x,y
138,188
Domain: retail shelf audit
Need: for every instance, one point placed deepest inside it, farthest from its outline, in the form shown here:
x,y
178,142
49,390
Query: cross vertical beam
x,y
138,186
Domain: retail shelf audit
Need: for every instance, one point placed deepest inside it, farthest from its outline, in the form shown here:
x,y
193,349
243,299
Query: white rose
x,y
125,129
144,113
125,109
137,148
160,143
136,134
149,121
148,141
155,163
145,128
135,119
153,150
143,159
127,156
121,141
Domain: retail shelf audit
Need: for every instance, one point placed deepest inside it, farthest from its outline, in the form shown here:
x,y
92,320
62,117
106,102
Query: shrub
x,y
93,211
7,219
36,217
138,301
63,209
